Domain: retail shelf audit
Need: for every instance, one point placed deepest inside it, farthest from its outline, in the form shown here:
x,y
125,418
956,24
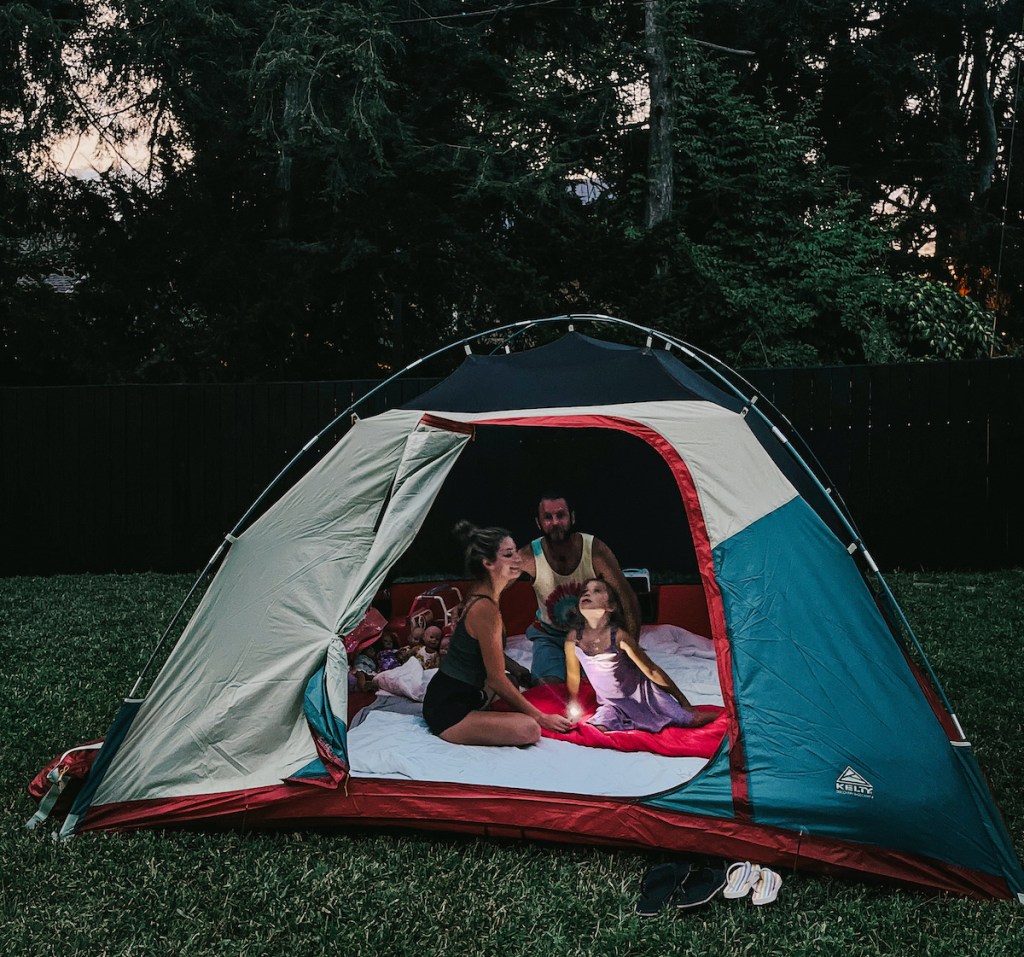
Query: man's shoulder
x,y
601,552
528,553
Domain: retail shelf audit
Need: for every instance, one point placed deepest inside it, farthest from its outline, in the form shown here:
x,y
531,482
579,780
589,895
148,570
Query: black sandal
x,y
700,888
658,885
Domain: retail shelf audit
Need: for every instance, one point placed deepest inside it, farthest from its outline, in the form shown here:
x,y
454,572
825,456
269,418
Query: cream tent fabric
x,y
306,571
225,713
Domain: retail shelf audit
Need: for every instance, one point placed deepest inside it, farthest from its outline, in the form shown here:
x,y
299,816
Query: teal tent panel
x,y
111,742
998,834
708,793
329,728
838,738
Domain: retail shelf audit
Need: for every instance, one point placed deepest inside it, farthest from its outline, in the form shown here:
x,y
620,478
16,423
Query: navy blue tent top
x,y
575,370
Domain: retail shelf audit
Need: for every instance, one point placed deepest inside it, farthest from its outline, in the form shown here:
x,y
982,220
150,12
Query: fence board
x,y
1006,458
858,441
927,457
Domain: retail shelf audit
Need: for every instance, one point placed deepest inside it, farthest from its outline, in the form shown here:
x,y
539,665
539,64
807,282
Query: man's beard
x,y
558,535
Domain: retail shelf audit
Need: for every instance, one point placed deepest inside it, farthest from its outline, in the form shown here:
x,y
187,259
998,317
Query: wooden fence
x,y
929,458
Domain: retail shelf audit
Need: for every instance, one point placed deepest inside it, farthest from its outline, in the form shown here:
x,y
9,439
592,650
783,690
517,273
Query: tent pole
x,y
695,353
134,693
230,538
857,543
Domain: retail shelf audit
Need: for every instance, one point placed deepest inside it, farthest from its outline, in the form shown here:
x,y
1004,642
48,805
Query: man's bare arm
x,y
528,560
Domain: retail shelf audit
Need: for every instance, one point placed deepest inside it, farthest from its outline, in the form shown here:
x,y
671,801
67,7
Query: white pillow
x,y
408,680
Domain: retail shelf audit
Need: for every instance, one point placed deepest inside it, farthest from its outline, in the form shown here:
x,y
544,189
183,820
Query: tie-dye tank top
x,y
557,595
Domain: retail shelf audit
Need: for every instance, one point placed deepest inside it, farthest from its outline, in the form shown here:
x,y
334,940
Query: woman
x,y
476,655
633,693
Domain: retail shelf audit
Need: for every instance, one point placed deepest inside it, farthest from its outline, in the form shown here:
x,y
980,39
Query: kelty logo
x,y
850,782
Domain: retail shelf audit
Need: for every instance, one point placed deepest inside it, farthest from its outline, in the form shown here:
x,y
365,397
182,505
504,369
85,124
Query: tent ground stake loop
x,y
799,844
47,803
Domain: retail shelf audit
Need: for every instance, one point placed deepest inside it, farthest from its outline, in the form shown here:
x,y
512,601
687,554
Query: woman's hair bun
x,y
464,531
478,545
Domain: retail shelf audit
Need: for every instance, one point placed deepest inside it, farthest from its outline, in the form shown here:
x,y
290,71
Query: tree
x,y
915,102
763,261
327,189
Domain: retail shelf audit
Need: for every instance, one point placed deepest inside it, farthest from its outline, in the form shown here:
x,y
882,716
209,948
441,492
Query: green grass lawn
x,y
70,648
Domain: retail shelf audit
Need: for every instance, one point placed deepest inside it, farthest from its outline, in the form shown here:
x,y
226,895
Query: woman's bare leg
x,y
493,728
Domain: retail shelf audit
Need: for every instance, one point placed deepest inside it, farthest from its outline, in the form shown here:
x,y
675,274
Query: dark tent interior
x,y
620,488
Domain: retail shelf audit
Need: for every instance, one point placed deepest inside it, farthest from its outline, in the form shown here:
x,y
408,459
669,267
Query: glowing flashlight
x,y
574,712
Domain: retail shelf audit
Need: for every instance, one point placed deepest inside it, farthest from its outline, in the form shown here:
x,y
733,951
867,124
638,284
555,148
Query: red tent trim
x,y
559,818
705,562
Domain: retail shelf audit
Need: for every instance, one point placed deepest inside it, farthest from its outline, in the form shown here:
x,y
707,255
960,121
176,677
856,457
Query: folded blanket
x,y
672,742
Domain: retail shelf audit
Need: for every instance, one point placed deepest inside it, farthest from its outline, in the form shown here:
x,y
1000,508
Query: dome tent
x,y
838,755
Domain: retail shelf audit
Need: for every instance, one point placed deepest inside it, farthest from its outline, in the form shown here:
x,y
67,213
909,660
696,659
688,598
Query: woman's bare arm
x,y
484,624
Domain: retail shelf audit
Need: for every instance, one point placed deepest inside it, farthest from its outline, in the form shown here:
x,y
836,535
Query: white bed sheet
x,y
385,744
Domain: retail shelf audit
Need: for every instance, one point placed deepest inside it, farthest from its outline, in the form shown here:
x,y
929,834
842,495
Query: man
x,y
558,563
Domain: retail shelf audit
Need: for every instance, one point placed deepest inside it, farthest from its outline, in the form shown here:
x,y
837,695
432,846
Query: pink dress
x,y
627,700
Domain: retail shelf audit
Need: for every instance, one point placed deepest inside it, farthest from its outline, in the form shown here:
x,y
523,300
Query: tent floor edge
x,y
549,818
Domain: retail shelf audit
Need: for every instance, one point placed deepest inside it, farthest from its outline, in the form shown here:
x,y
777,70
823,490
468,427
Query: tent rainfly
x,y
840,754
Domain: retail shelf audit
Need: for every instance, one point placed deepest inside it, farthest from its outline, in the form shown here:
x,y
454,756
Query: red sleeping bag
x,y
672,742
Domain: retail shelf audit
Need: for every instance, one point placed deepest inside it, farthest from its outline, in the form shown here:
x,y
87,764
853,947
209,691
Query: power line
x,y
466,14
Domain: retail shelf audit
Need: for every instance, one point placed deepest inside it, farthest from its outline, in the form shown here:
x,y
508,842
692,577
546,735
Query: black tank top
x,y
464,660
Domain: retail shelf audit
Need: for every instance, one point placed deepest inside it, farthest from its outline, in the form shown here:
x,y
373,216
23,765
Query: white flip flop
x,y
766,888
740,878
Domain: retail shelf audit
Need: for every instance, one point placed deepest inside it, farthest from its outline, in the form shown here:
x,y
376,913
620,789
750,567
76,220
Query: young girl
x,y
633,693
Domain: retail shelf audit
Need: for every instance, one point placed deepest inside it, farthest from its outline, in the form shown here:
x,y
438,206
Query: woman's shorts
x,y
448,701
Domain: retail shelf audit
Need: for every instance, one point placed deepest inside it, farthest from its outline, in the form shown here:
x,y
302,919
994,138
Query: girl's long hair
x,y
614,614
